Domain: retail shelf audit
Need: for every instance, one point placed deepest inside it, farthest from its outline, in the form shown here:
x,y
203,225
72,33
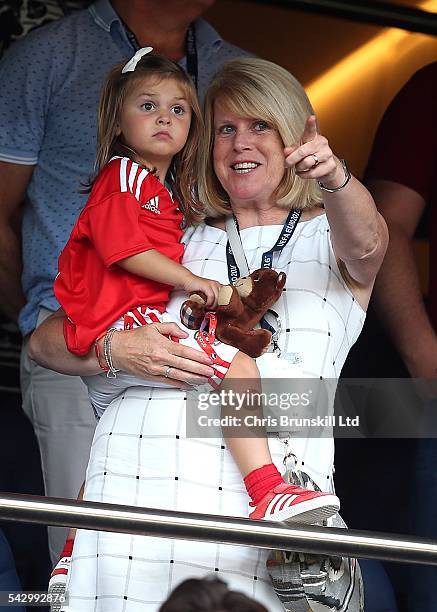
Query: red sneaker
x,y
294,504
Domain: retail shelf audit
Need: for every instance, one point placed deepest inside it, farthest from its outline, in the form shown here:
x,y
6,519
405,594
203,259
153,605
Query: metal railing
x,y
211,528
376,13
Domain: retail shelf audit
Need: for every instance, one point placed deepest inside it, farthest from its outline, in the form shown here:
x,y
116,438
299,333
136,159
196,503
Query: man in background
x,y
402,176
50,83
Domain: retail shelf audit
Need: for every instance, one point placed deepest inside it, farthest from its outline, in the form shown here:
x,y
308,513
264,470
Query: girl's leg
x,y
248,445
72,530
60,575
272,498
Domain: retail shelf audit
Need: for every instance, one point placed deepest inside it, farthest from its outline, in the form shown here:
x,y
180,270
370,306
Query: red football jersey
x,y
129,211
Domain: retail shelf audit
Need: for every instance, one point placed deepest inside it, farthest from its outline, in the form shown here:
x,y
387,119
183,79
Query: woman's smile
x,y
245,167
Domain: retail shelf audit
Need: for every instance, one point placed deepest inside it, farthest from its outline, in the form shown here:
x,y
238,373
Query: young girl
x,y
123,256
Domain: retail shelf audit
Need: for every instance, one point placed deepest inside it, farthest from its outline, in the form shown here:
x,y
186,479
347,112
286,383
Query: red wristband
x,y
105,367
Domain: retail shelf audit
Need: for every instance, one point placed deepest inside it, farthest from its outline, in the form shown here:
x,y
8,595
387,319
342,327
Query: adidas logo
x,y
152,205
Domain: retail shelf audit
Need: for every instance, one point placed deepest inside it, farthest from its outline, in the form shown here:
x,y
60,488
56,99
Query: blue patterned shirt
x,y
50,85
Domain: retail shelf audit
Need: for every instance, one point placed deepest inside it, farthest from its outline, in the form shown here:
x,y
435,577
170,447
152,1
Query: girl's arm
x,y
157,267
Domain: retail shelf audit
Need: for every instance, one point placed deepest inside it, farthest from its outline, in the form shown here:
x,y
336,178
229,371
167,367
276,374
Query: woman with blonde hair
x,y
276,196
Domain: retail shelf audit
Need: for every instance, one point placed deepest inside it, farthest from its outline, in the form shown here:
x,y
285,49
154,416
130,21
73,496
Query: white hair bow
x,y
132,63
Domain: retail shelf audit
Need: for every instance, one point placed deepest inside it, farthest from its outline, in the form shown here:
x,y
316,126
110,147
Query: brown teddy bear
x,y
240,307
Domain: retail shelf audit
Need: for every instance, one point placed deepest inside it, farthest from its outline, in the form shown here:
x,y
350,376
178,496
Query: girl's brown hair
x,y
115,90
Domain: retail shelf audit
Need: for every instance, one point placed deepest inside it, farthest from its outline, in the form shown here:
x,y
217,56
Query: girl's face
x,y
154,121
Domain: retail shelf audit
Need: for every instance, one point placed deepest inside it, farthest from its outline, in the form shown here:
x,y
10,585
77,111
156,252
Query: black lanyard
x,y
267,257
190,50
191,53
131,37
266,262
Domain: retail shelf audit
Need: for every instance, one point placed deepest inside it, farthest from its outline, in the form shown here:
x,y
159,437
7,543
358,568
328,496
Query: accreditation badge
x,y
277,365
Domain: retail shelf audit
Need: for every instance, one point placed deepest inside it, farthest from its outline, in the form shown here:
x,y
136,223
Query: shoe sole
x,y
309,512
58,591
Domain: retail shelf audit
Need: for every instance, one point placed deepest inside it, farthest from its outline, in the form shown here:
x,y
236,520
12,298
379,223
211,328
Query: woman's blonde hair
x,y
256,88
115,90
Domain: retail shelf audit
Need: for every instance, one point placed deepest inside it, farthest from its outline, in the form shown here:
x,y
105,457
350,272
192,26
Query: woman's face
x,y
249,158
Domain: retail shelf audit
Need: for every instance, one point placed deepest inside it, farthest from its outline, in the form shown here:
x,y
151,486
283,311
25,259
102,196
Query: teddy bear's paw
x,y
225,295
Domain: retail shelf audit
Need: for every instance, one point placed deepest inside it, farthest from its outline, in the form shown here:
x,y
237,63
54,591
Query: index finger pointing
x,y
310,129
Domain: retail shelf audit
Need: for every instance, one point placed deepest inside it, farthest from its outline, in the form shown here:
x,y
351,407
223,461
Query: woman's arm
x,y
145,352
359,234
47,347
